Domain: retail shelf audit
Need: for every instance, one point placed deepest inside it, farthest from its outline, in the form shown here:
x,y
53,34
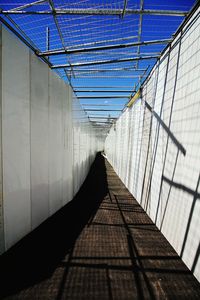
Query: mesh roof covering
x,y
102,48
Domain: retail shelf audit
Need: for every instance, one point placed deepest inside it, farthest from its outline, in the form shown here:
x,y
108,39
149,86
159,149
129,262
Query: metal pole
x,y
102,109
105,41
140,29
109,12
109,70
28,5
101,62
51,4
98,91
124,9
47,40
100,48
102,97
101,117
103,87
108,76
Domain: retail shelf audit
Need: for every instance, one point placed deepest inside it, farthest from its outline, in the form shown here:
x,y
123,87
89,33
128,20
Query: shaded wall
x,y
155,145
46,145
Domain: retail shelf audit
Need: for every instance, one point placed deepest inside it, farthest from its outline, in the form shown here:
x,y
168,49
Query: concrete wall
x,y
47,146
155,145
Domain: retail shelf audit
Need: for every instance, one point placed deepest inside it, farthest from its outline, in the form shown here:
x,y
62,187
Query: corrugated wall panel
x,y
39,141
163,160
15,139
47,141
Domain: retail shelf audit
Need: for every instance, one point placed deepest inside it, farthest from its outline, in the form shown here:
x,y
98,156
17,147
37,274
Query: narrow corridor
x,y
102,245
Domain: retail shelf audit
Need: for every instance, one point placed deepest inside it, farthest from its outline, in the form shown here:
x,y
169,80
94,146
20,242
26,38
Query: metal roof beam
x,y
93,11
102,97
101,116
52,6
124,9
105,41
97,122
103,87
101,62
110,47
110,76
108,91
140,28
103,109
110,118
108,70
28,5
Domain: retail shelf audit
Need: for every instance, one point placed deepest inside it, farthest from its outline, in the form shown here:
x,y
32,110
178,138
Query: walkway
x,y
102,245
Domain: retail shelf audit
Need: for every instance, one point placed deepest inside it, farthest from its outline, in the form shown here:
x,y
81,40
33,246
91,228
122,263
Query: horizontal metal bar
x,y
105,122
28,5
98,122
101,62
105,70
102,87
93,11
121,52
104,41
102,109
110,118
102,97
101,126
100,105
100,48
107,91
115,99
108,76
101,116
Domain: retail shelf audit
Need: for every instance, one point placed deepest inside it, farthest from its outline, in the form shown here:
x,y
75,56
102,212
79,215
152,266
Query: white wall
x,y
46,147
1,181
157,154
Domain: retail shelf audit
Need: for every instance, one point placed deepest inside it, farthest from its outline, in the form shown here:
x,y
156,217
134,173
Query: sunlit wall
x,y
47,143
155,145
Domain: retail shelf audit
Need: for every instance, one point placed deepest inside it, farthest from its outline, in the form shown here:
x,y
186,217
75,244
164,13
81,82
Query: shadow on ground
x,y
37,255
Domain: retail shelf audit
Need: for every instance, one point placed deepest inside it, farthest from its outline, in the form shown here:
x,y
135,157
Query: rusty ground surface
x,y
101,245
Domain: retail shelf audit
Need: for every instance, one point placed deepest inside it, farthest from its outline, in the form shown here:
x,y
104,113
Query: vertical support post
x,y
47,40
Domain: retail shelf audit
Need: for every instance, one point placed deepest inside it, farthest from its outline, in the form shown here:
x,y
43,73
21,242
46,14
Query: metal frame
x,y
103,97
103,62
91,11
51,4
77,54
89,109
110,118
28,5
99,91
109,47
